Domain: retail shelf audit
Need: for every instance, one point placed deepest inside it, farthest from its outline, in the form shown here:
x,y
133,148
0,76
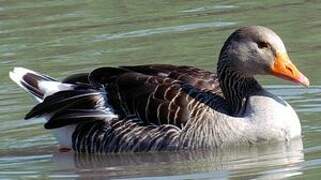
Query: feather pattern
x,y
138,108
124,135
161,95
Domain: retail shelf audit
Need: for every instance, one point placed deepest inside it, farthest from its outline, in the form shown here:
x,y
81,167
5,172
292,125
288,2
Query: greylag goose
x,y
168,107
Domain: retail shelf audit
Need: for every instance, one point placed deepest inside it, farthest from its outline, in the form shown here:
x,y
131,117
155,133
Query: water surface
x,y
64,37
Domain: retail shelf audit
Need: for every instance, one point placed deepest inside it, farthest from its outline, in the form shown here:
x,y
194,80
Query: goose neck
x,y
236,88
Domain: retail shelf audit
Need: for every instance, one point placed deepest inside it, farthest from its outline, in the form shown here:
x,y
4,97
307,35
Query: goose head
x,y
258,50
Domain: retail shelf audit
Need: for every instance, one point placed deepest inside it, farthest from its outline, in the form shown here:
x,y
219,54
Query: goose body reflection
x,y
267,161
168,107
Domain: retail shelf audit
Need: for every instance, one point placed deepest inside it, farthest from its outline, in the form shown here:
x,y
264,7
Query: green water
x,y
64,37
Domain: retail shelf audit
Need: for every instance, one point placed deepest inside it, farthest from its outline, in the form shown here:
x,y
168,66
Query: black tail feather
x,y
63,100
74,116
72,107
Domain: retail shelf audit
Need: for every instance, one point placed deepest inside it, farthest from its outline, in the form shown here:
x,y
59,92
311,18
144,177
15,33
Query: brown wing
x,y
159,94
196,77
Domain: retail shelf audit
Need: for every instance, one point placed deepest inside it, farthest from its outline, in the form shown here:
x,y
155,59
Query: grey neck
x,y
236,86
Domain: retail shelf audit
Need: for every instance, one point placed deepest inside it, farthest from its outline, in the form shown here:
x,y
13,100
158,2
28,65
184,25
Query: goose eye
x,y
262,45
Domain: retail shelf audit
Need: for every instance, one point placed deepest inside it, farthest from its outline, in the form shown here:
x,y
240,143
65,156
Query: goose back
x,y
159,94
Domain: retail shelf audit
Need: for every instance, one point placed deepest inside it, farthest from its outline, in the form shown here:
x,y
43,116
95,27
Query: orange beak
x,y
285,69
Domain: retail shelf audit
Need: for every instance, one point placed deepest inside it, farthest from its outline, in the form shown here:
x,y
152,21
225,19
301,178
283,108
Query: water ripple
x,y
171,29
209,8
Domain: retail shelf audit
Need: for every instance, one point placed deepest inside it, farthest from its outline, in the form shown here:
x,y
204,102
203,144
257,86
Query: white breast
x,y
272,117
